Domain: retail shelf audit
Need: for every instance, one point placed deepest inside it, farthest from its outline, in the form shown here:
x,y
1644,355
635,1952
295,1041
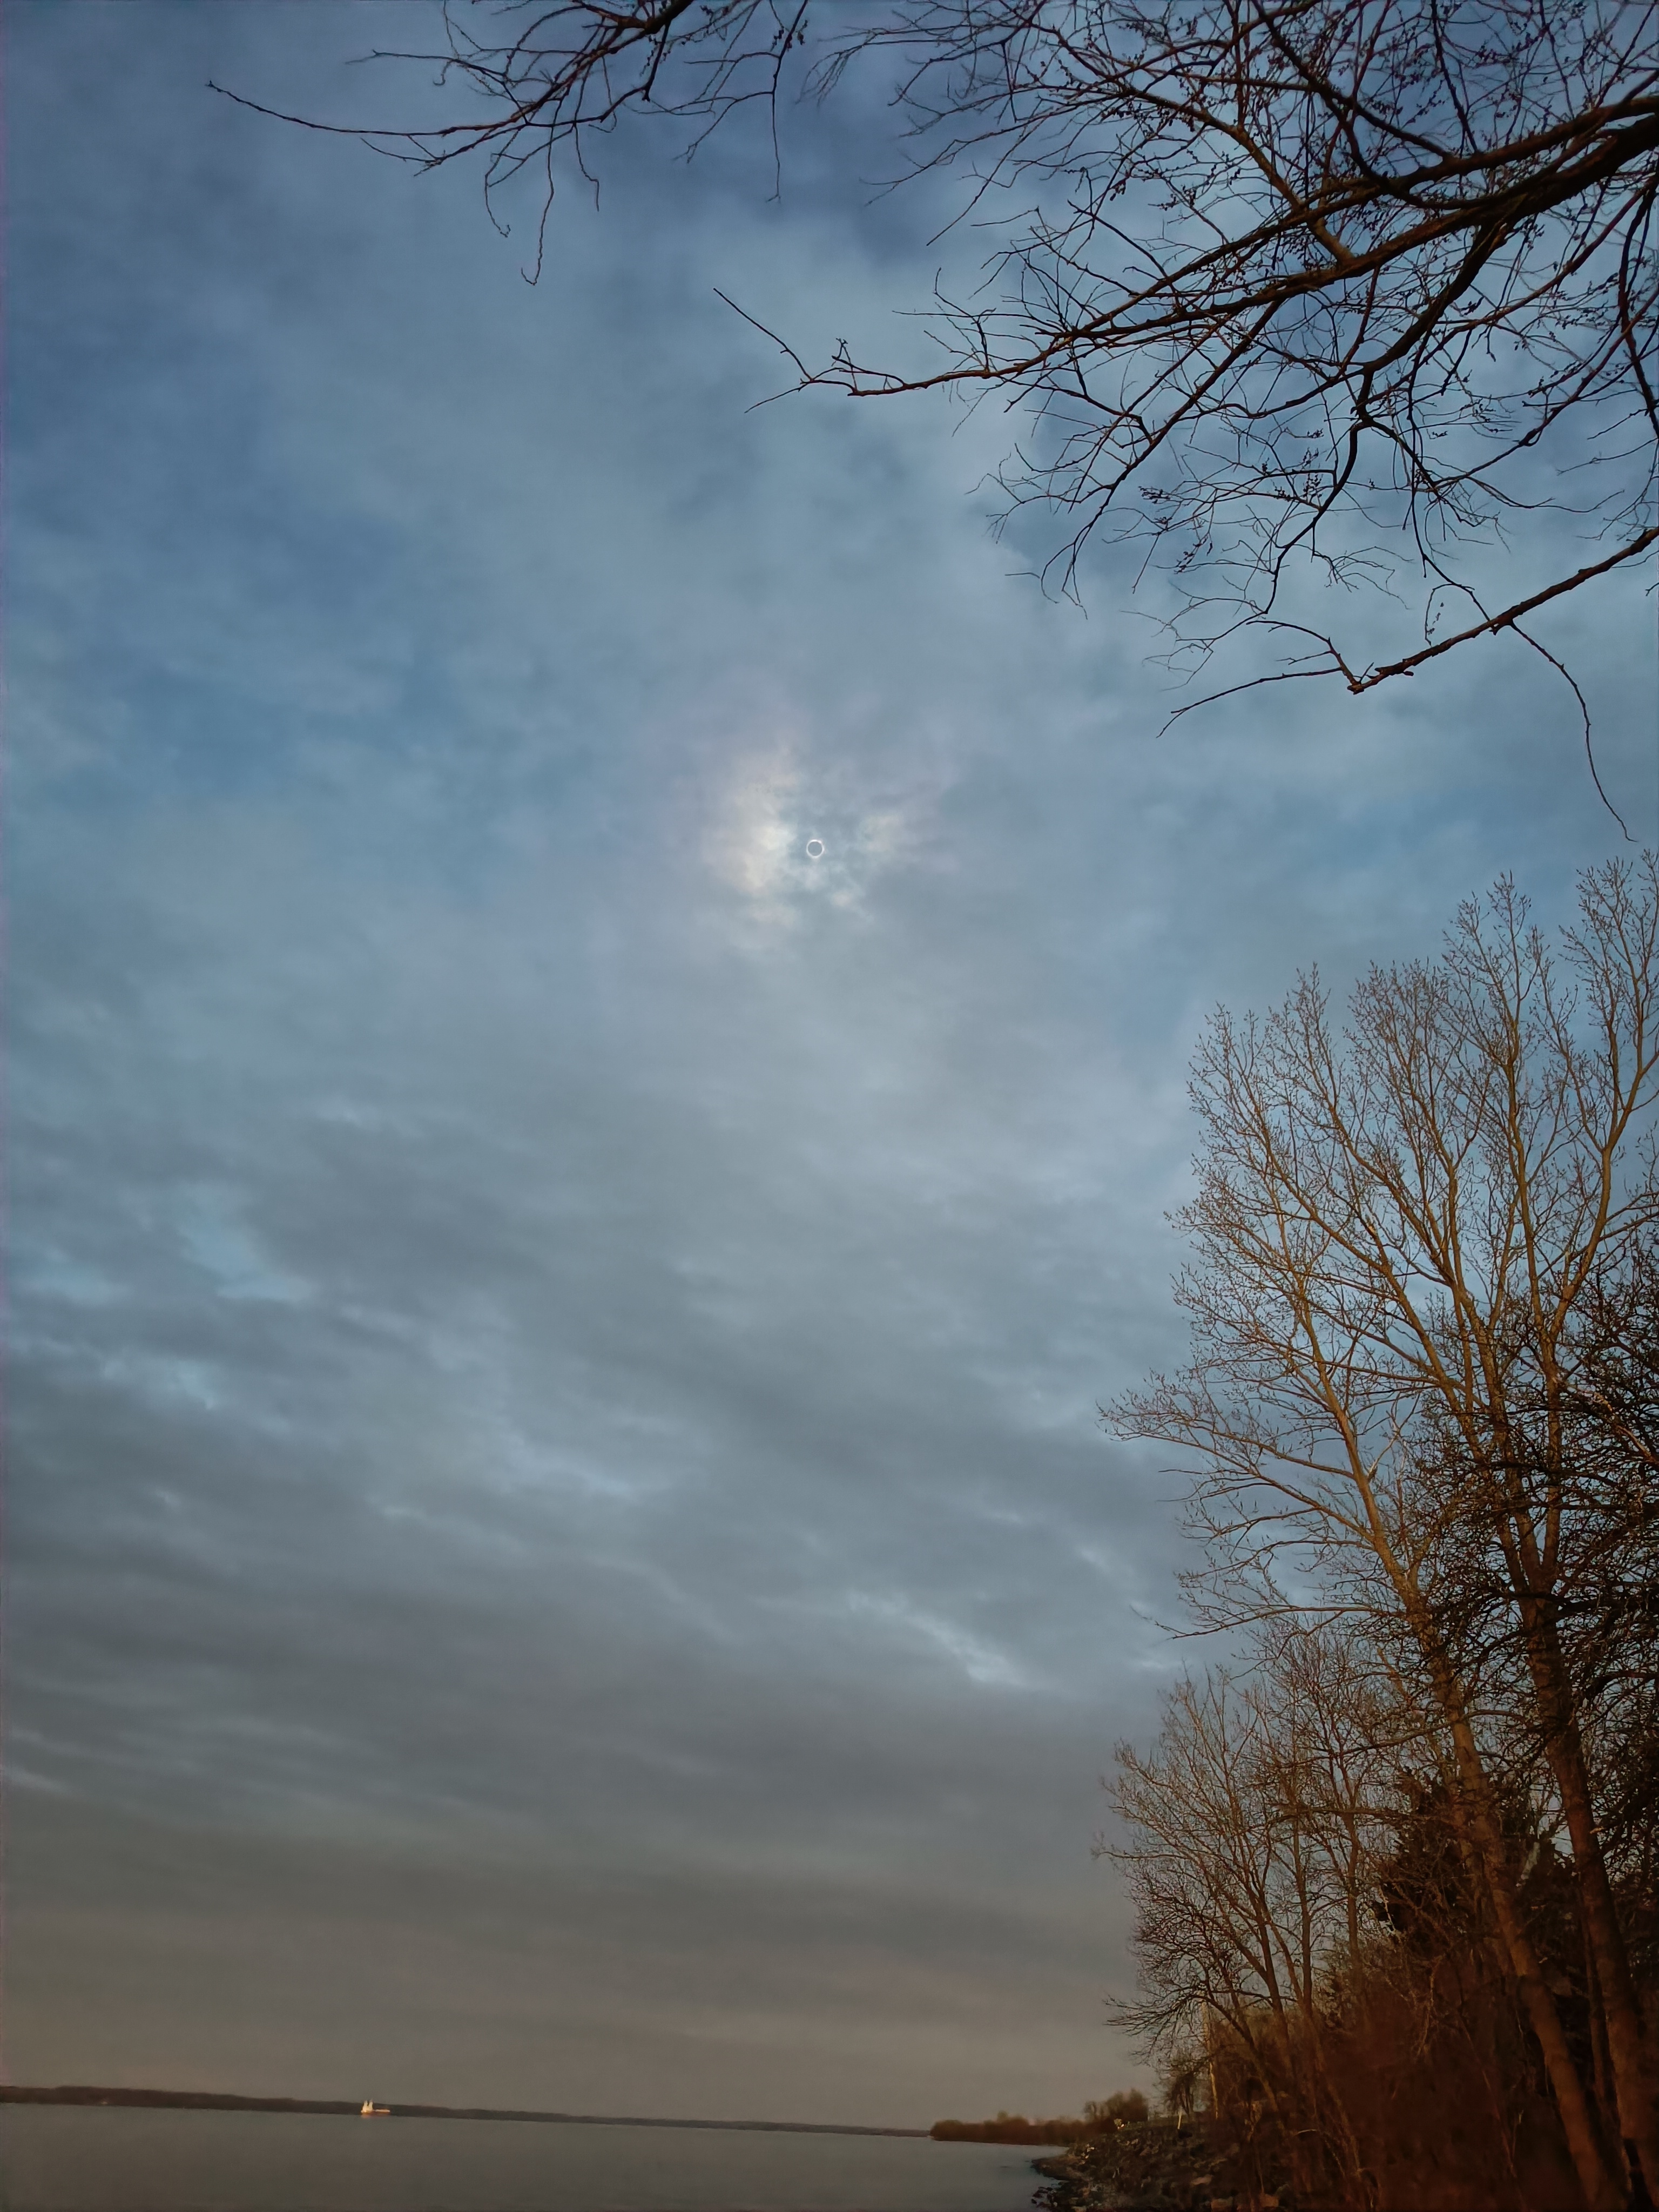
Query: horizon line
x,y
345,2108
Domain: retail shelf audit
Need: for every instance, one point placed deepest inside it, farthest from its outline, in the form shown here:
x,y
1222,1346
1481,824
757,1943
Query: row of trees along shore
x,y
1393,1864
1125,2109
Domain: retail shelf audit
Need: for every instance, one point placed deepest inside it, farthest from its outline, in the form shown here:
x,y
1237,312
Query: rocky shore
x,y
1151,2168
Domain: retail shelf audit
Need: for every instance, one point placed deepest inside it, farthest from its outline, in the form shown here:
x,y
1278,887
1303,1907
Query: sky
x,y
559,1547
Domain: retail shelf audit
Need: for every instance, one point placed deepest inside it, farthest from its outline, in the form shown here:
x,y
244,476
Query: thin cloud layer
x,y
559,1547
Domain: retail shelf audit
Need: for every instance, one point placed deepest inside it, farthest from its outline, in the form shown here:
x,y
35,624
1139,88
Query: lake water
x,y
67,2159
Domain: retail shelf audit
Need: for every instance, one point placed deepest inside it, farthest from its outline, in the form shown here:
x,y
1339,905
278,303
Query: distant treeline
x,y
1127,2107
211,2100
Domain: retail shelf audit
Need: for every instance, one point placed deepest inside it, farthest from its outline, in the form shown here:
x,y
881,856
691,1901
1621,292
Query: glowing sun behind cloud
x,y
756,839
781,834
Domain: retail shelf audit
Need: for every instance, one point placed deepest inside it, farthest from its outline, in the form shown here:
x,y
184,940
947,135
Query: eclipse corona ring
x,y
815,849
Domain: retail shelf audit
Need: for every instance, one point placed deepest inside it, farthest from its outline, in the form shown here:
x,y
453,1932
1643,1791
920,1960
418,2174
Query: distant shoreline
x,y
206,2100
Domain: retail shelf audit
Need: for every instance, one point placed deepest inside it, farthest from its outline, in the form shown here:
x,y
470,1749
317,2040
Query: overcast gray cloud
x,y
558,1543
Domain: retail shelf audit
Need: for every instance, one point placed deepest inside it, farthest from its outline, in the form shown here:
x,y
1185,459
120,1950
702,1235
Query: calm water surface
x,y
60,2158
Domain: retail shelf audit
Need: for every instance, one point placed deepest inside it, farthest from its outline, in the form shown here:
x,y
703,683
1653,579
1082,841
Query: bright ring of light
x,y
815,849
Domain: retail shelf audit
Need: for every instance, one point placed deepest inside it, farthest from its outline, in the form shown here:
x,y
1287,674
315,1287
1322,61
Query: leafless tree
x,y
1289,1923
1398,1229
1357,284
1611,1618
1238,1896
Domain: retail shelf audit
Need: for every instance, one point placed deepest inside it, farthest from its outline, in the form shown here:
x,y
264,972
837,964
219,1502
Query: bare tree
x,y
1237,1898
1398,1229
1352,283
1292,1799
1610,1624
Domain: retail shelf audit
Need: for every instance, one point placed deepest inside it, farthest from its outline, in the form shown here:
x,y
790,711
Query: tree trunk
x,y
1604,2191
1629,2050
1600,2060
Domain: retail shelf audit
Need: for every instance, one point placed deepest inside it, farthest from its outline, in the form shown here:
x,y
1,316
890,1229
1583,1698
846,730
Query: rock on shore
x,y
1152,2168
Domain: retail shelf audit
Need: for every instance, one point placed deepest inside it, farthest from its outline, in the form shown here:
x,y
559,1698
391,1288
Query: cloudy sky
x,y
559,1545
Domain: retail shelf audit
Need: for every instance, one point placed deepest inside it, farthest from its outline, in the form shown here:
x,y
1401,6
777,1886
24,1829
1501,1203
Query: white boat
x,y
373,2112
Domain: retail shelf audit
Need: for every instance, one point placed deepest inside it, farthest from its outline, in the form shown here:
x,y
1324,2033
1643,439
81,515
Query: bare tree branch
x,y
1327,288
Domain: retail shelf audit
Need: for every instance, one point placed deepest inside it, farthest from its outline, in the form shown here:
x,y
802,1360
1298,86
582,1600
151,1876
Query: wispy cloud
x,y
555,1326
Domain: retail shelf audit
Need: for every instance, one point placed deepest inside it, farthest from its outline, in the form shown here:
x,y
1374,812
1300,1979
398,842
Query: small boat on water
x,y
373,2112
